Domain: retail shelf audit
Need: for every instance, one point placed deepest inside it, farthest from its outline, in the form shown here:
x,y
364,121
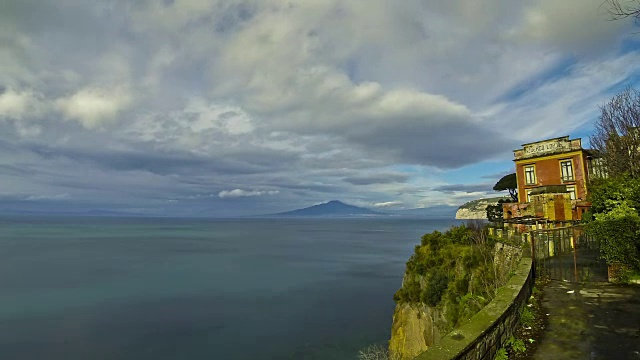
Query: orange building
x,y
552,180
558,161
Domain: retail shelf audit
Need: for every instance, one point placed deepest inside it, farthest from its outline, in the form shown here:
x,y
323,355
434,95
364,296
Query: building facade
x,y
553,177
558,161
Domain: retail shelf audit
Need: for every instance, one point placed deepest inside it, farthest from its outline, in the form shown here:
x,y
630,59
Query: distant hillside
x,y
87,213
476,209
332,208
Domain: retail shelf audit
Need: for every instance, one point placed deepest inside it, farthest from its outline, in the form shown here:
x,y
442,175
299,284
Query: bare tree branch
x,y
622,9
617,134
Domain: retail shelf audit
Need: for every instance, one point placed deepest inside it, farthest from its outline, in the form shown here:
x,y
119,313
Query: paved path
x,y
596,321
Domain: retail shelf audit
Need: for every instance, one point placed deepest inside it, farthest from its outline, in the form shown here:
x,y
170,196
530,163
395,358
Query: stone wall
x,y
488,330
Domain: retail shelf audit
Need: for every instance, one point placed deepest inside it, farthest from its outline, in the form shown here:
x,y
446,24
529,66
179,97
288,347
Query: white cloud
x,y
28,131
47,197
560,105
231,119
92,107
236,193
17,105
387,204
576,25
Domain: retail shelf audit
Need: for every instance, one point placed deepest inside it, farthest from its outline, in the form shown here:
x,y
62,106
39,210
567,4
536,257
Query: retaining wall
x,y
488,330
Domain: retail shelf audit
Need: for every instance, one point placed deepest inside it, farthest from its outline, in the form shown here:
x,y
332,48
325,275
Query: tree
x,y
495,213
508,182
614,220
618,10
617,134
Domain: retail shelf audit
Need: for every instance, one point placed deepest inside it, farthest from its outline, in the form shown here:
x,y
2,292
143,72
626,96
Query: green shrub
x,y
618,238
526,316
516,345
614,220
501,354
535,290
436,286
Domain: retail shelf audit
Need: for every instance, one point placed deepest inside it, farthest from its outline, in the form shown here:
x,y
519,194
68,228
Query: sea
x,y
92,288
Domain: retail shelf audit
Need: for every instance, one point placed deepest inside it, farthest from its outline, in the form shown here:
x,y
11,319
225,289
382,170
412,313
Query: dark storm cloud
x,y
446,145
159,162
384,178
497,176
156,162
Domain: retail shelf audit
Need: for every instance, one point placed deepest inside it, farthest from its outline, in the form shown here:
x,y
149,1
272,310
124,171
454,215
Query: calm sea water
x,y
106,288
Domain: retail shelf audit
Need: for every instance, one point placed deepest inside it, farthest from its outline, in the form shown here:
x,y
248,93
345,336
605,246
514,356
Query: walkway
x,y
590,321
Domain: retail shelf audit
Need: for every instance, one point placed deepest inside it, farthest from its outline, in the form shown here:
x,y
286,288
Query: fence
x,y
567,254
513,235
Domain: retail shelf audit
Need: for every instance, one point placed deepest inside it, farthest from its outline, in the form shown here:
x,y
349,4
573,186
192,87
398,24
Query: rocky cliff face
x,y
476,209
417,326
414,330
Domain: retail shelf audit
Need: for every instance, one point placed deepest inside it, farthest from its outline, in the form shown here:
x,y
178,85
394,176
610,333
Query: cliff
x,y
476,209
446,282
414,330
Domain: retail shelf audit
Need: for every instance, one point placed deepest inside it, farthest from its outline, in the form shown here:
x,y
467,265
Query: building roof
x,y
566,137
558,145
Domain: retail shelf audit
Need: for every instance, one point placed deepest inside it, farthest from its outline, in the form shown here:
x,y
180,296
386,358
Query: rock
x,y
476,209
413,330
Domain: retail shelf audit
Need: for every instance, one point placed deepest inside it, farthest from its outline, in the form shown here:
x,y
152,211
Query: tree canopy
x,y
615,221
508,182
614,217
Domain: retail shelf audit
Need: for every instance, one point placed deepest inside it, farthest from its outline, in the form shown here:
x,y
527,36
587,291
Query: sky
x,y
243,107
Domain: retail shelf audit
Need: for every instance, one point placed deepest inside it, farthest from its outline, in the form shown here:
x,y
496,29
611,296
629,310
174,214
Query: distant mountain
x,y
332,208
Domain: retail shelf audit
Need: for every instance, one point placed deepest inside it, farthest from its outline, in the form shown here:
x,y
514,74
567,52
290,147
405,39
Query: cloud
x,y
47,197
236,193
408,123
467,188
92,107
16,105
574,96
212,116
164,102
387,204
578,25
381,178
497,176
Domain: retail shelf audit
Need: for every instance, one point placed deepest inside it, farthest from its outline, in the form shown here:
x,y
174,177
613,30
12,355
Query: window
x,y
596,169
566,169
572,192
530,174
529,195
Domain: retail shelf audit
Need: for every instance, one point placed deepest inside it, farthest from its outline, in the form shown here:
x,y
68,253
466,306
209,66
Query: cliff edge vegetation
x,y
450,277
